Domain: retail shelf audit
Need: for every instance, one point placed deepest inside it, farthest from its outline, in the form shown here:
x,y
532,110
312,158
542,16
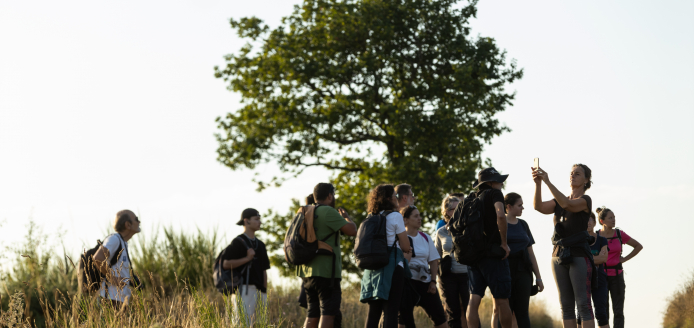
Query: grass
x,y
680,309
39,289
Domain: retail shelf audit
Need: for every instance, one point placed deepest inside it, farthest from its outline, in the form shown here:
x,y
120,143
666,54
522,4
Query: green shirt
x,y
326,221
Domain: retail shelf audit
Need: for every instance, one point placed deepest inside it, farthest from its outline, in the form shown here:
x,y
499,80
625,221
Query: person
x,y
405,196
116,287
247,252
613,266
492,270
572,260
382,289
424,267
600,250
522,262
302,294
453,276
442,222
321,276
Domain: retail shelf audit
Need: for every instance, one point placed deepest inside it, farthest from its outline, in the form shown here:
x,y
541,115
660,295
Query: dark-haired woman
x,y
599,250
615,274
521,260
424,267
572,260
382,288
453,279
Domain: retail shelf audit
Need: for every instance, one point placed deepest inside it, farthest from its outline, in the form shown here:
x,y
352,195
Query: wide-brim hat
x,y
489,174
247,214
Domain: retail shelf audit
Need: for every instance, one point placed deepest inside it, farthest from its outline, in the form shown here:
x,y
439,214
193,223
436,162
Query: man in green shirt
x,y
323,294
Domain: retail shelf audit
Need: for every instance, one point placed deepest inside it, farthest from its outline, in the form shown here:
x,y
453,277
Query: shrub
x,y
680,309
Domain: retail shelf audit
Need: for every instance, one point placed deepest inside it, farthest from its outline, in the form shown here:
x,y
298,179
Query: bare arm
x,y
571,205
265,278
536,269
434,266
503,226
437,243
602,257
349,229
101,260
637,248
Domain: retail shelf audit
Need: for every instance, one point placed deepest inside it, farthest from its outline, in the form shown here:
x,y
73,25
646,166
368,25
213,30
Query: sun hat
x,y
489,174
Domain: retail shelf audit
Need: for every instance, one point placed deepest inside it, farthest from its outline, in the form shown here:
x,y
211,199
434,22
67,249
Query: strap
x,y
424,235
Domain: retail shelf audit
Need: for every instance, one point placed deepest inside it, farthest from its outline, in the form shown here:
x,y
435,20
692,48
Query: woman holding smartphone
x,y
572,260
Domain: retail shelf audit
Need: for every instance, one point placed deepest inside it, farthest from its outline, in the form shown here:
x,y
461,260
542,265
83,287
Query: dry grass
x,y
680,309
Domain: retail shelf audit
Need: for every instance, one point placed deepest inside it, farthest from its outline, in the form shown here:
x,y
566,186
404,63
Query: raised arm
x,y
571,205
349,229
540,206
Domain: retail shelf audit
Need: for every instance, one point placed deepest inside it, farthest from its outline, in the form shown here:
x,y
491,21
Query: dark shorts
x,y
431,303
493,273
321,298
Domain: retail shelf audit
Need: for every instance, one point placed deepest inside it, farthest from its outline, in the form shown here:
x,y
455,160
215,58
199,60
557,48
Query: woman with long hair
x,y
572,260
382,288
613,267
424,267
453,278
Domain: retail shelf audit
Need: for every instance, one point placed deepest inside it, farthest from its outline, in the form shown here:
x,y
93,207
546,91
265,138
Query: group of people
x,y
423,270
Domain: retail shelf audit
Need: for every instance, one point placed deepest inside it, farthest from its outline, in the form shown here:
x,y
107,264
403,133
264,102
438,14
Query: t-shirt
x,y
395,225
119,270
238,250
491,229
570,223
444,245
615,254
424,252
326,221
518,238
596,247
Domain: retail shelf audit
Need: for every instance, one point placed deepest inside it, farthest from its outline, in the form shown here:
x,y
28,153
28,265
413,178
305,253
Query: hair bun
x,y
600,209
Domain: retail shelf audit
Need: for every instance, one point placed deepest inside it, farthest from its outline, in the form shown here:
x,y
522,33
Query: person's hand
x,y
541,174
540,285
432,287
343,212
250,253
536,178
507,249
622,259
408,256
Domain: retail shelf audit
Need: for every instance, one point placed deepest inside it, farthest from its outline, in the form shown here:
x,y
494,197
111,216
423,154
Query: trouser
x,y
431,303
389,308
521,287
600,300
455,296
617,289
244,304
573,285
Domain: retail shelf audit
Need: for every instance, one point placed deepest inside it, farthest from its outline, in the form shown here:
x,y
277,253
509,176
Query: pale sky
x,y
111,105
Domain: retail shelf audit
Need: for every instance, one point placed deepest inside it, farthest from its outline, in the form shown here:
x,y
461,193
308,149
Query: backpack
x,y
225,280
371,244
470,243
89,274
301,245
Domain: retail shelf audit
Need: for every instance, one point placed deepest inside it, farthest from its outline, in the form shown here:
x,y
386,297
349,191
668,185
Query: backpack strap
x,y
424,236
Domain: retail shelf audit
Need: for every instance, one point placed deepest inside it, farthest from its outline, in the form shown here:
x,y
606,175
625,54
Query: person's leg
x,y
390,311
406,315
250,300
565,291
431,303
618,301
478,286
449,290
473,317
520,297
498,276
580,272
464,297
600,302
313,304
330,299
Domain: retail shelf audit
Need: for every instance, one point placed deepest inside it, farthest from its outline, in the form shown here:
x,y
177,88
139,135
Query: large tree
x,y
372,90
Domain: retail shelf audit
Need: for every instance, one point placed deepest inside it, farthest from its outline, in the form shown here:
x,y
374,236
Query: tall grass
x,y
680,309
39,289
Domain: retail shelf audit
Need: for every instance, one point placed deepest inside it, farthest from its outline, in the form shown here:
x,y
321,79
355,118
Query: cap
x,y
247,214
488,175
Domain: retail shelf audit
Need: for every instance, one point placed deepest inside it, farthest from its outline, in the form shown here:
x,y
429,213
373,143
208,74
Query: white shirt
x,y
120,270
425,252
395,225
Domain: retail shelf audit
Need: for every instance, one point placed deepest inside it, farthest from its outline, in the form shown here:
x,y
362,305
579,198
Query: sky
x,y
112,105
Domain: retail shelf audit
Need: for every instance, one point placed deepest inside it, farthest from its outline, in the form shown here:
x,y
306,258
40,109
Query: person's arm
x,y
602,257
637,248
434,266
540,206
405,245
536,269
349,229
235,263
265,278
571,205
437,243
101,261
503,226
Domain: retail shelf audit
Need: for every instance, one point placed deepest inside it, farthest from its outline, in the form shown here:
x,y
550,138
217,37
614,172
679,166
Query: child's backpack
x,y
89,274
371,244
470,243
225,280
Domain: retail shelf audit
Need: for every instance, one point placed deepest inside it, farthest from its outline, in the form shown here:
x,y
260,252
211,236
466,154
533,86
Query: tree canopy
x,y
372,90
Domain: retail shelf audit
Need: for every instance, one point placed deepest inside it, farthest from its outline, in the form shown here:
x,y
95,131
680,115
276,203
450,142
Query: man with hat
x,y
246,252
493,270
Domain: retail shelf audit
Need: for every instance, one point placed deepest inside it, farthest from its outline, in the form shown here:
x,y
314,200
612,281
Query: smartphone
x,y
537,163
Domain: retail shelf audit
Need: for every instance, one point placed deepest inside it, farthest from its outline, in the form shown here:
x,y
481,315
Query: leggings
x,y
389,308
455,296
521,285
573,284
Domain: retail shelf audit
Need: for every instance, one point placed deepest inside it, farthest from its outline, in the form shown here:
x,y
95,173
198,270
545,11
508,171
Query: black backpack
x,y
90,275
227,281
371,244
470,243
